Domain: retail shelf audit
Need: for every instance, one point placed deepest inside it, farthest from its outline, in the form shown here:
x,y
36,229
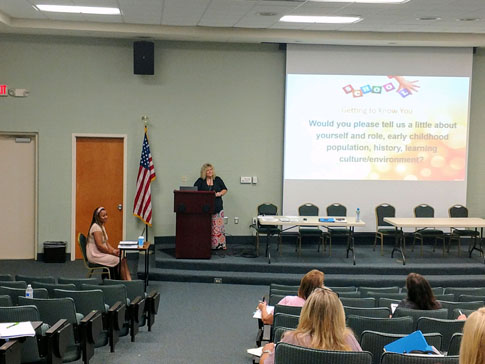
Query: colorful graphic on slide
x,y
361,127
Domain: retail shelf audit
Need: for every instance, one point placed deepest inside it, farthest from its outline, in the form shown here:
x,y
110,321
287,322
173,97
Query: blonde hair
x,y
203,170
323,319
309,282
472,348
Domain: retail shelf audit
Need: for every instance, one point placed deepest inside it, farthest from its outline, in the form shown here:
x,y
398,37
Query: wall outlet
x,y
226,220
218,280
236,220
246,180
255,220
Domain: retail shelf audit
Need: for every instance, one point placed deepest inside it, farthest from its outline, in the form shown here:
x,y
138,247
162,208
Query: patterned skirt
x,y
218,234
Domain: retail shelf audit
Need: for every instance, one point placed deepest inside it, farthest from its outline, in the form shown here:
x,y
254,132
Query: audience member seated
x,y
99,251
420,295
321,326
472,349
308,283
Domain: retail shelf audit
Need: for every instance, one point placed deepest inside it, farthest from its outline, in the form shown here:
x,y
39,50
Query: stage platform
x,y
238,264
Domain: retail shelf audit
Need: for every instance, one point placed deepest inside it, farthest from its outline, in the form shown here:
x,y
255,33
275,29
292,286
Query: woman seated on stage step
x,y
321,326
472,349
313,279
420,295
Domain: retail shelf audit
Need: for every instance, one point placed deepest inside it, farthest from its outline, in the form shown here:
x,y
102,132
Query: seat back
x,y
85,301
112,293
336,209
401,325
364,290
447,297
470,298
442,313
460,305
445,327
308,209
6,277
395,358
293,354
423,210
5,301
436,290
384,210
78,282
379,295
458,211
355,294
285,320
13,284
380,312
15,293
134,288
267,209
278,333
367,302
275,298
387,302
289,310
374,342
472,291
30,350
282,286
54,309
458,312
30,279
50,287
455,343
343,289
284,292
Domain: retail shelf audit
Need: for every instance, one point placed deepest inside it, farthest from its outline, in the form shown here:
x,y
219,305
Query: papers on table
x,y
257,314
12,330
128,244
268,219
256,351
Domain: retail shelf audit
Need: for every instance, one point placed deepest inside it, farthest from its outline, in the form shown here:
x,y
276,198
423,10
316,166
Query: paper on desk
x,y
128,244
256,351
268,219
257,314
11,330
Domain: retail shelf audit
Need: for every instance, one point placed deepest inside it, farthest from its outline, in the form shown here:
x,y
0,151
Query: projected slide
x,y
386,127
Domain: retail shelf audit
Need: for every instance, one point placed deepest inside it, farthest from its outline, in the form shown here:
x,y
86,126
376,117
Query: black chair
x,y
78,282
6,277
457,234
470,298
278,333
455,343
13,284
364,290
336,210
441,313
378,295
309,209
29,279
50,287
5,301
285,320
266,209
293,354
380,312
358,324
472,291
475,305
92,267
394,358
343,289
425,210
367,302
374,342
15,293
445,327
384,229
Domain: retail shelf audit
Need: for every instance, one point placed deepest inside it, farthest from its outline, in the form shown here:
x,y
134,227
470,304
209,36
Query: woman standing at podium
x,y
208,181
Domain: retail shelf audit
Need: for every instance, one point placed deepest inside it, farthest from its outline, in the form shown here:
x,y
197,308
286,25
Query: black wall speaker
x,y
143,58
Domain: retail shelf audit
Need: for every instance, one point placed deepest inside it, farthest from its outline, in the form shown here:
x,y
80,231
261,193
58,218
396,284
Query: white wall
x,y
218,103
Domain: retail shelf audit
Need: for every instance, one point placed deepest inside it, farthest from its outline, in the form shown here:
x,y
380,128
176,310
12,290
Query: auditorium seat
x,y
293,354
445,327
358,324
29,279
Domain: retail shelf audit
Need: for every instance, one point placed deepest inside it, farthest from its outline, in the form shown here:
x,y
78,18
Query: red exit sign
x,y
3,90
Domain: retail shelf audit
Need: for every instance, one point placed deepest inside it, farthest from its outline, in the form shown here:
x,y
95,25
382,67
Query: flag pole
x,y
144,119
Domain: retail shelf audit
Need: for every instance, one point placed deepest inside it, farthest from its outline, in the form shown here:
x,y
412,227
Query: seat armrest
x,y
117,313
152,302
57,337
93,324
10,352
137,308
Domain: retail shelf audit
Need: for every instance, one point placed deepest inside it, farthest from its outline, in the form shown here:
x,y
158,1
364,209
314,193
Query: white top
x,y
310,221
437,222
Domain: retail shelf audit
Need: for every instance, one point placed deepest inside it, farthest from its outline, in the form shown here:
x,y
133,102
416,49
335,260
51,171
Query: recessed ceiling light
x,y
321,19
364,1
428,18
267,13
468,19
78,9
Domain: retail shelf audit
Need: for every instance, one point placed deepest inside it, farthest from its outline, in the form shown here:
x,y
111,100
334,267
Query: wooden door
x,y
99,182
17,196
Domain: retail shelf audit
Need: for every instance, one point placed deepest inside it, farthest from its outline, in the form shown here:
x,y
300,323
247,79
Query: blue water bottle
x,y
141,240
357,215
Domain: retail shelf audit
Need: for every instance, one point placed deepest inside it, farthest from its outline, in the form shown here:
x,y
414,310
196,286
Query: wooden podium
x,y
193,223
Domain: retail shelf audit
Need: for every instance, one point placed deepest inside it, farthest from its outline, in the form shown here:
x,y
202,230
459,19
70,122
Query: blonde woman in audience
x,y
321,326
308,283
472,349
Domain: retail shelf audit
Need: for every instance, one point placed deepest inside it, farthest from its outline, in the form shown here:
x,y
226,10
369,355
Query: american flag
x,y
146,174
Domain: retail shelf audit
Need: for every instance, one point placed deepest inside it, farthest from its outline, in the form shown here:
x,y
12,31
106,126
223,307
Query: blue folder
x,y
414,342
326,219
